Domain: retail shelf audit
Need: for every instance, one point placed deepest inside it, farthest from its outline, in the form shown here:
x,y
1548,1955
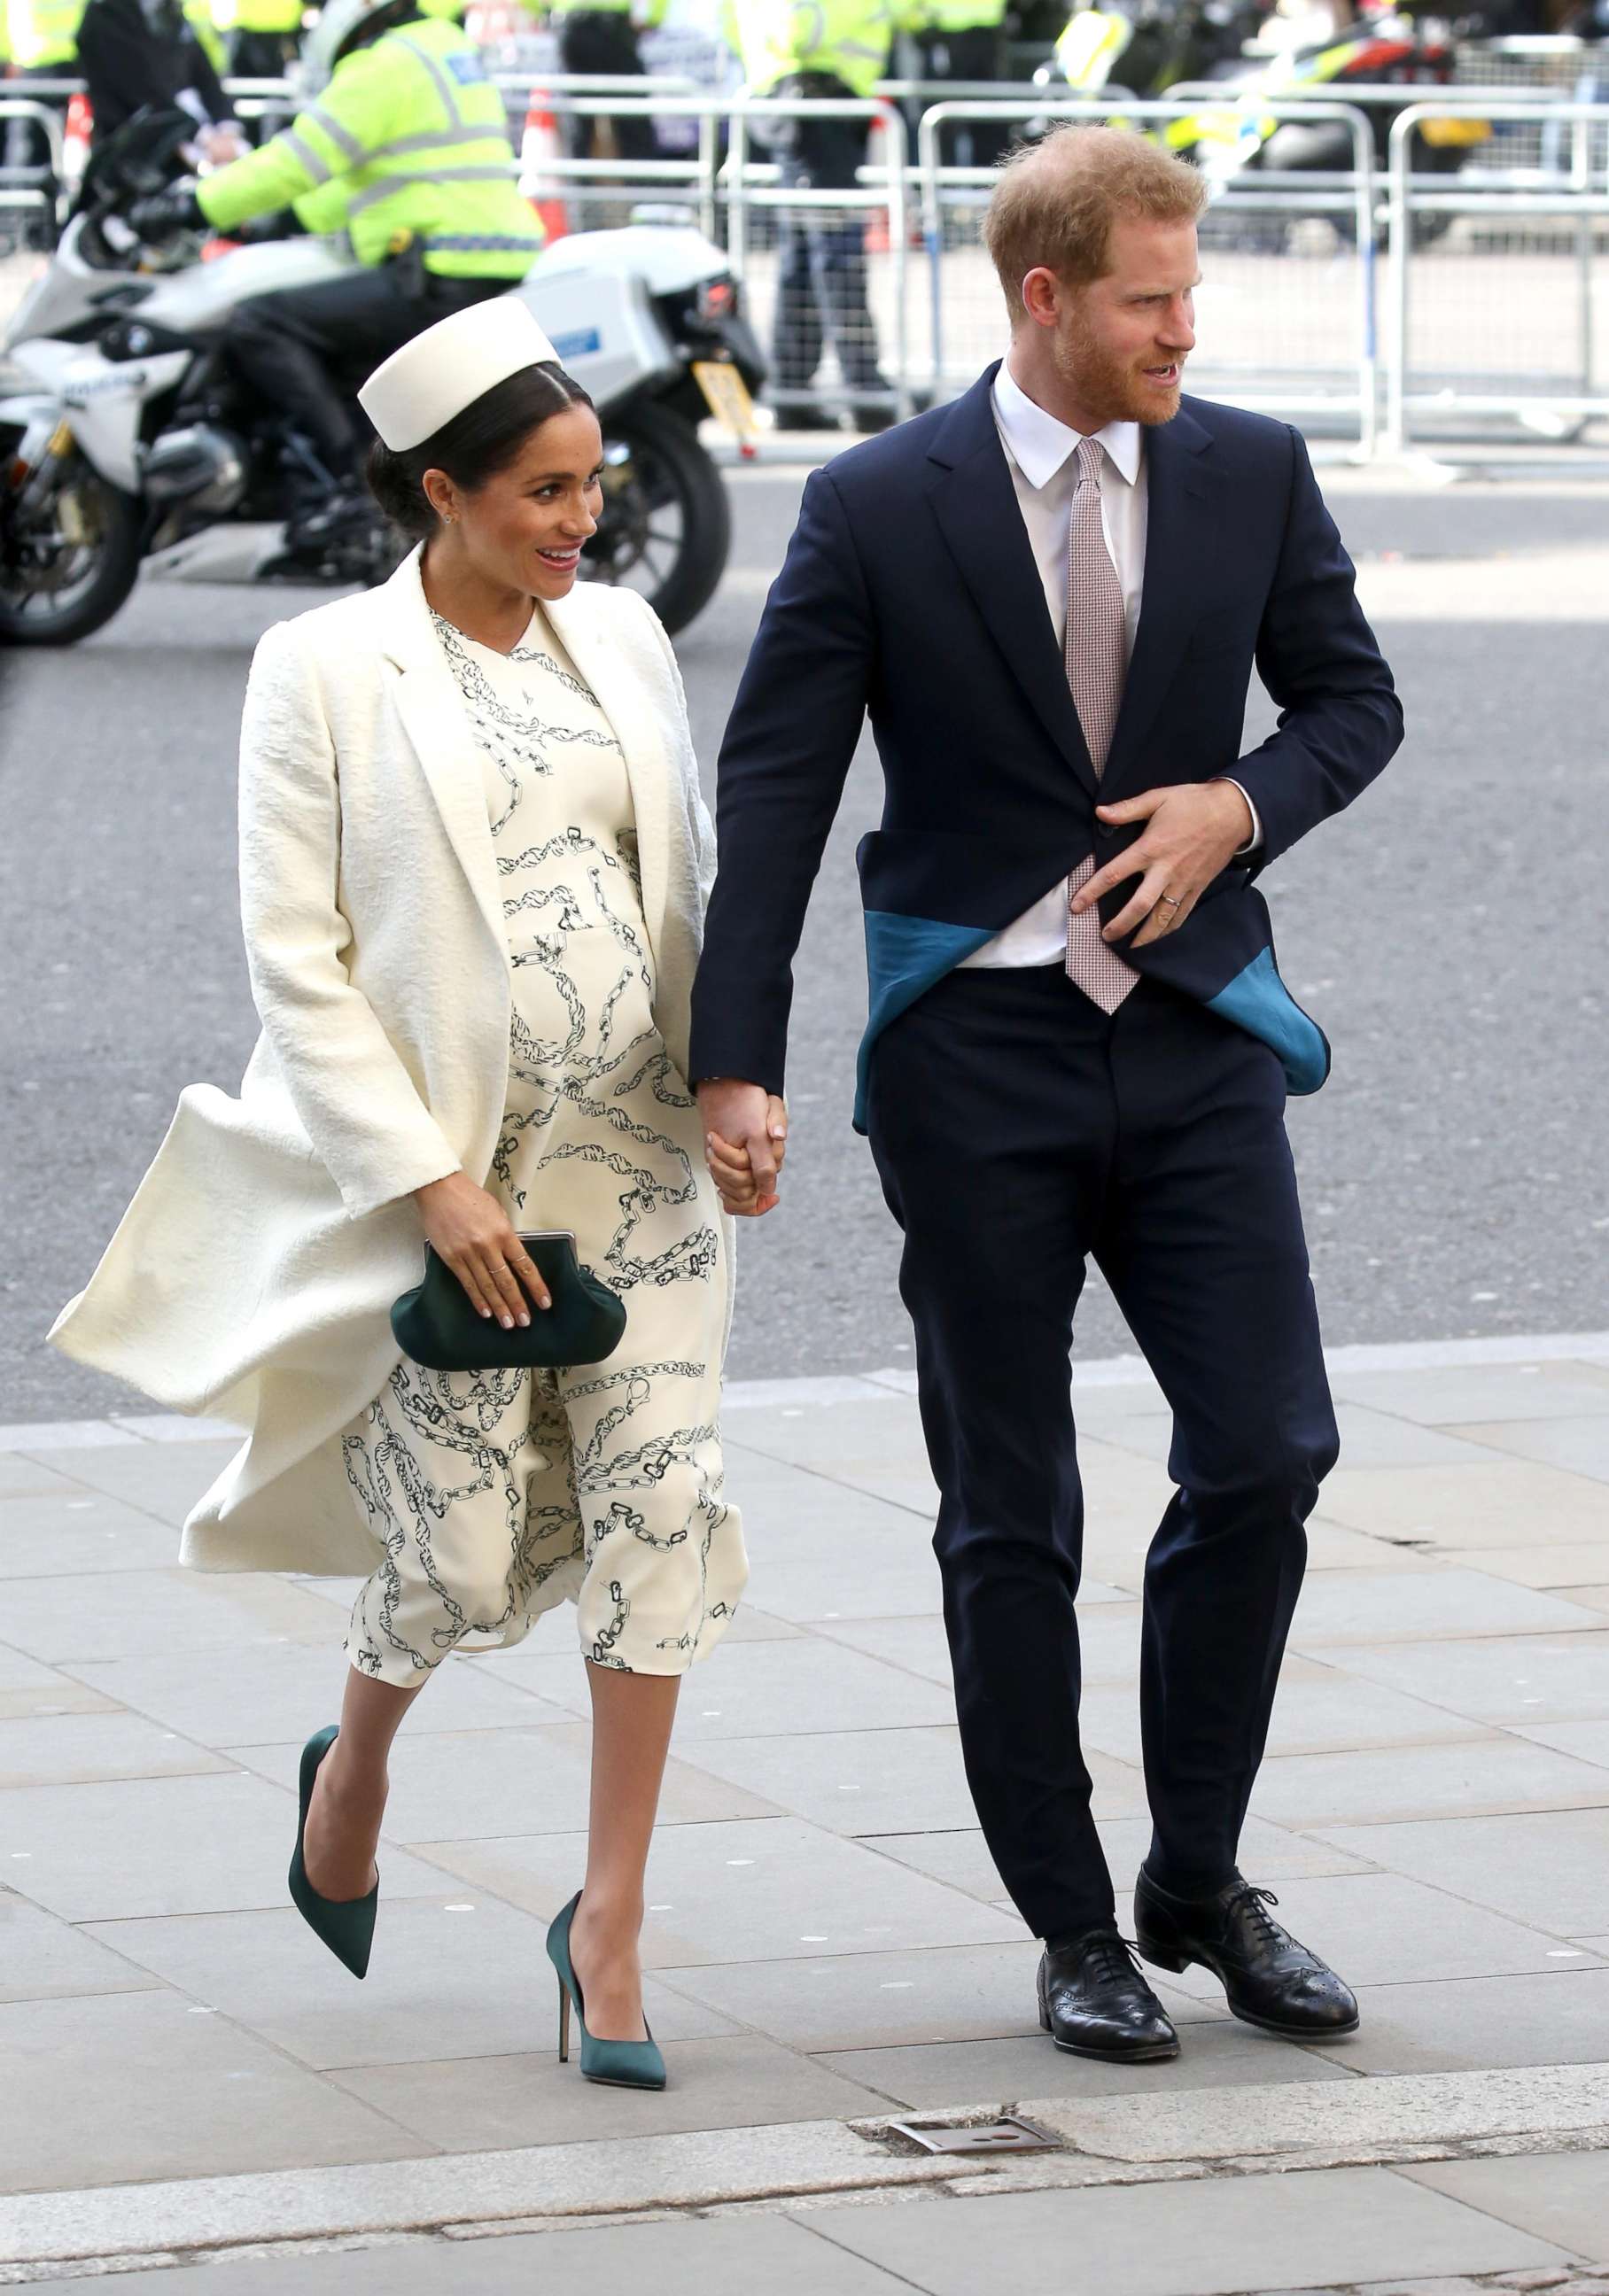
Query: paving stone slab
x,y
470,1785
847,2001
804,1686
1317,1709
454,1976
1337,2116
739,2080
269,1694
165,1479
859,1781
1474,2023
162,1610
1219,2238
1545,1869
763,1890
1527,1678
129,2085
1564,1567
43,1958
1463,1393
1379,1786
27,1688
727,2256
78,1749
1579,1446
1359,1606
1466,1506
695,2169
154,1846
1216,2052
1562,2196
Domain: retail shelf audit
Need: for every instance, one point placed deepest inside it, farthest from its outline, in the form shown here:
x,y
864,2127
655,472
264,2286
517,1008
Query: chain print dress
x,y
496,1494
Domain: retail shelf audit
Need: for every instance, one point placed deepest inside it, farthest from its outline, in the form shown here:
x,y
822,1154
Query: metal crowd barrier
x,y
1489,280
1310,352
28,184
1526,279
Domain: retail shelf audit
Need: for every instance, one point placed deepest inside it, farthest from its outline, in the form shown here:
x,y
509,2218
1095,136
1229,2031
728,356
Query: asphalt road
x,y
1449,932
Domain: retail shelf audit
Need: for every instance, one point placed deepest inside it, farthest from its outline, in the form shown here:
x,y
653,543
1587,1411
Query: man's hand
x,y
746,1141
222,143
1195,830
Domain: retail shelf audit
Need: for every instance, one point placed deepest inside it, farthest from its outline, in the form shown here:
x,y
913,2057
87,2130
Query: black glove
x,y
165,214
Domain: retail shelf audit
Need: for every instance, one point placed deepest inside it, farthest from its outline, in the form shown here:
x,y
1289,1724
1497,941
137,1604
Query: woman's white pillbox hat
x,y
450,367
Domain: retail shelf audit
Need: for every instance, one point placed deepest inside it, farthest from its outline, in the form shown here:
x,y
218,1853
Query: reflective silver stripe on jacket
x,y
319,171
439,139
444,86
395,183
342,137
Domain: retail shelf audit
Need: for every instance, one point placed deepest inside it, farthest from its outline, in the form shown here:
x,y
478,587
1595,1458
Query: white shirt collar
x,y
1040,445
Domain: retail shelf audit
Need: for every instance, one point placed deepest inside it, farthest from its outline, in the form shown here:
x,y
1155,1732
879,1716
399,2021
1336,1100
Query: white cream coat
x,y
252,1278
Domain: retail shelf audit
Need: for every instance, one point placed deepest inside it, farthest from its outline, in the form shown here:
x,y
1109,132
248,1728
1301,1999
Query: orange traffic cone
x,y
878,143
75,140
540,143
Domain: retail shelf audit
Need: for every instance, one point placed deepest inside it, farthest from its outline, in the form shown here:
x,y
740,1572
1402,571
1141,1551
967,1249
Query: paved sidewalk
x,y
182,2069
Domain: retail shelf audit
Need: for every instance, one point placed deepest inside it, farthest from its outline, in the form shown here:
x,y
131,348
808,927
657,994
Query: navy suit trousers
x,y
1018,1132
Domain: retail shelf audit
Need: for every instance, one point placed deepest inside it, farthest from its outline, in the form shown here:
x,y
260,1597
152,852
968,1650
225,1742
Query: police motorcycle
x,y
1146,47
124,443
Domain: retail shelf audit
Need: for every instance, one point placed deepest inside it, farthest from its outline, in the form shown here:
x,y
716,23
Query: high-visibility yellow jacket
x,y
849,38
42,32
408,142
198,15
939,16
280,16
648,13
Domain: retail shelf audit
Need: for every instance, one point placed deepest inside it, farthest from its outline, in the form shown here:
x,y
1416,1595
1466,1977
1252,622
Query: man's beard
x,y
1104,385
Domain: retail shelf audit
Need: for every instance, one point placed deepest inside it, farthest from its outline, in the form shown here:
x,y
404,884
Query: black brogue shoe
x,y
1094,2002
1270,1979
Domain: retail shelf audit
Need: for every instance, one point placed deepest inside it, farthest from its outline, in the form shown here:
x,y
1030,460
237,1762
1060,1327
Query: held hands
x,y
471,1231
1195,831
746,1141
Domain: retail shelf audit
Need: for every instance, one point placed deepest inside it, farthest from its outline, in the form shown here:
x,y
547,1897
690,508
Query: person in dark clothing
x,y
136,54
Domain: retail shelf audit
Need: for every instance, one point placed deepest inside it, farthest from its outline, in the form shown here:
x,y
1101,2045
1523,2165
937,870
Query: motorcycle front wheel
x,y
70,556
667,526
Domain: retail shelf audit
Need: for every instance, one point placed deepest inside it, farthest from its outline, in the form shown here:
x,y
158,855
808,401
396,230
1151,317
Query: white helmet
x,y
339,24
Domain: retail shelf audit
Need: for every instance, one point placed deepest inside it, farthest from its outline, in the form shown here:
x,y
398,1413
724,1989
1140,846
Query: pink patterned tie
x,y
1098,663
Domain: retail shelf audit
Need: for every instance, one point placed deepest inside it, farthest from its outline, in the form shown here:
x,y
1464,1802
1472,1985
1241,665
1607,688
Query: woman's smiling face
x,y
524,527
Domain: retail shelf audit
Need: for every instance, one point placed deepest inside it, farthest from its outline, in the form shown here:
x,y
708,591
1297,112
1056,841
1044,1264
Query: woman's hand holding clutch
x,y
746,1141
470,1230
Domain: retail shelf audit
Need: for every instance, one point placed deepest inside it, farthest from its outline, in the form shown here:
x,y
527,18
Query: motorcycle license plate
x,y
726,395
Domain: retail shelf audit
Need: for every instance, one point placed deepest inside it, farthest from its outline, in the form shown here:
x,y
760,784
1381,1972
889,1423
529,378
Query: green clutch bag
x,y
437,1325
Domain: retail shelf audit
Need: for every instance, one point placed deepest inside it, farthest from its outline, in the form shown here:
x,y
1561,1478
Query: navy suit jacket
x,y
909,590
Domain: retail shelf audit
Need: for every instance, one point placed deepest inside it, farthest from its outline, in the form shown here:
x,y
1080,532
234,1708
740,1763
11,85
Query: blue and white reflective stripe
x,y
472,243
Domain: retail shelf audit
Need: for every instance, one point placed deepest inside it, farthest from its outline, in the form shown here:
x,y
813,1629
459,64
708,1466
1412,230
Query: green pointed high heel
x,y
346,1926
620,2064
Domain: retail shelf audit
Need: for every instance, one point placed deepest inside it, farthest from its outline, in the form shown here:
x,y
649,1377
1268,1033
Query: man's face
x,y
1120,343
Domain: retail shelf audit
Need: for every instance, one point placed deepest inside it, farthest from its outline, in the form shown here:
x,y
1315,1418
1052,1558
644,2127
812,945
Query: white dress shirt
x,y
1041,455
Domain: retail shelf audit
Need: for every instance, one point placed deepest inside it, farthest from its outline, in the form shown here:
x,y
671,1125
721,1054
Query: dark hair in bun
x,y
485,439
